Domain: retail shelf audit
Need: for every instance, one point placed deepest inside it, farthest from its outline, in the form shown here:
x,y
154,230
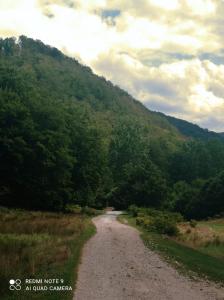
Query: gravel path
x,y
117,266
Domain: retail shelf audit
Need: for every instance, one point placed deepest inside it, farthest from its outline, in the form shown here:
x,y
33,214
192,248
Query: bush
x,y
163,222
177,217
158,224
165,226
89,211
133,210
76,209
141,214
193,223
148,223
73,208
139,220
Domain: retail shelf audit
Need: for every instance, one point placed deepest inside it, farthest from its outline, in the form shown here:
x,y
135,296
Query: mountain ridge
x,y
68,136
195,131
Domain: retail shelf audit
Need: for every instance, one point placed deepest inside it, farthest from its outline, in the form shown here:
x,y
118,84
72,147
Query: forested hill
x,y
68,136
58,76
192,130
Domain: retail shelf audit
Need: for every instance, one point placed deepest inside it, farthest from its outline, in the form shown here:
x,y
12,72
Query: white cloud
x,y
169,5
152,48
186,88
202,7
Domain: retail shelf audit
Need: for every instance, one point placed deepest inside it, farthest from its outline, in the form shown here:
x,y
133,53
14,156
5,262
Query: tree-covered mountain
x,y
191,130
69,136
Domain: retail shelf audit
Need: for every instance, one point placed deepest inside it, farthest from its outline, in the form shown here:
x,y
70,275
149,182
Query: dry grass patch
x,y
206,236
35,244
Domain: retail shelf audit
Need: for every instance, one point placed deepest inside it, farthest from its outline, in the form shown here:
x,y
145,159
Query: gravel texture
x,y
117,266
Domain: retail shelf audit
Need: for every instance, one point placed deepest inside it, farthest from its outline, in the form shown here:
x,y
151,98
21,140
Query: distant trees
x,y
200,199
70,137
197,159
184,198
212,197
143,184
130,144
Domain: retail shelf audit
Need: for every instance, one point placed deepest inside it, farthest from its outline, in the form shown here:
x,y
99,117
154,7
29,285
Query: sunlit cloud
x,y
168,54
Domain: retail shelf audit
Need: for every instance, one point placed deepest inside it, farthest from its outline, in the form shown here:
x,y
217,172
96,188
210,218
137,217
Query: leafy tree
x,y
144,185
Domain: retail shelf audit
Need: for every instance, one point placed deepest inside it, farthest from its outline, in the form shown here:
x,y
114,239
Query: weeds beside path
x,y
184,258
41,245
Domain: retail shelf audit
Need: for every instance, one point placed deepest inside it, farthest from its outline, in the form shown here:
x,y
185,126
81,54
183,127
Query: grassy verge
x,y
41,245
205,236
184,258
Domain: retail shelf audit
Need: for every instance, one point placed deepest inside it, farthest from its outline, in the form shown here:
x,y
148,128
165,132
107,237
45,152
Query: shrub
x,y
133,210
177,217
165,226
73,208
89,211
141,214
139,220
164,222
193,223
148,223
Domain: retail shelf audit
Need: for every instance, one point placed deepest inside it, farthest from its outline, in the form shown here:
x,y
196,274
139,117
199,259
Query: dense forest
x,y
68,136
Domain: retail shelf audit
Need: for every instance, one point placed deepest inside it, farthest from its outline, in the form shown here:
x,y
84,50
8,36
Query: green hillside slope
x,y
68,136
192,130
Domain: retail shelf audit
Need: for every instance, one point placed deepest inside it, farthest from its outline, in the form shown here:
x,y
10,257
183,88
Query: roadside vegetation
x,y
192,247
206,236
41,245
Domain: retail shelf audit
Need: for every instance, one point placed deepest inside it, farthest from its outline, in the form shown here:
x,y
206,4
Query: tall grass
x,y
207,237
40,245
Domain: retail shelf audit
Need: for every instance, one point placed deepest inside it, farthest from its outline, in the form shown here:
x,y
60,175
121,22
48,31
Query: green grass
x,y
185,258
216,225
207,237
214,250
41,245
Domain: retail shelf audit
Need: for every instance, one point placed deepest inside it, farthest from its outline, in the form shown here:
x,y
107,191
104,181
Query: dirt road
x,y
117,266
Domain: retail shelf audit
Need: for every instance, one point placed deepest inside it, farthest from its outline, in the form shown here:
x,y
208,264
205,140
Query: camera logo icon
x,y
15,284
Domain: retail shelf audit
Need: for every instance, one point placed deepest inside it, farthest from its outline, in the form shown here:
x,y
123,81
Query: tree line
x,y
70,137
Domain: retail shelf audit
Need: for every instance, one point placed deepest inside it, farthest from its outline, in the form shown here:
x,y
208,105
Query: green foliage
x,y
197,159
192,130
162,222
57,146
165,226
144,185
52,151
73,208
69,137
193,223
201,199
89,211
133,210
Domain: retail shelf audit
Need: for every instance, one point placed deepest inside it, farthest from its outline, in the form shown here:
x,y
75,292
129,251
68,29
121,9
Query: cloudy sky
x,y
169,54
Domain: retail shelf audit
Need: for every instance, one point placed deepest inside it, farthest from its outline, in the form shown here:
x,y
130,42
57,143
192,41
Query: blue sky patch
x,y
111,13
